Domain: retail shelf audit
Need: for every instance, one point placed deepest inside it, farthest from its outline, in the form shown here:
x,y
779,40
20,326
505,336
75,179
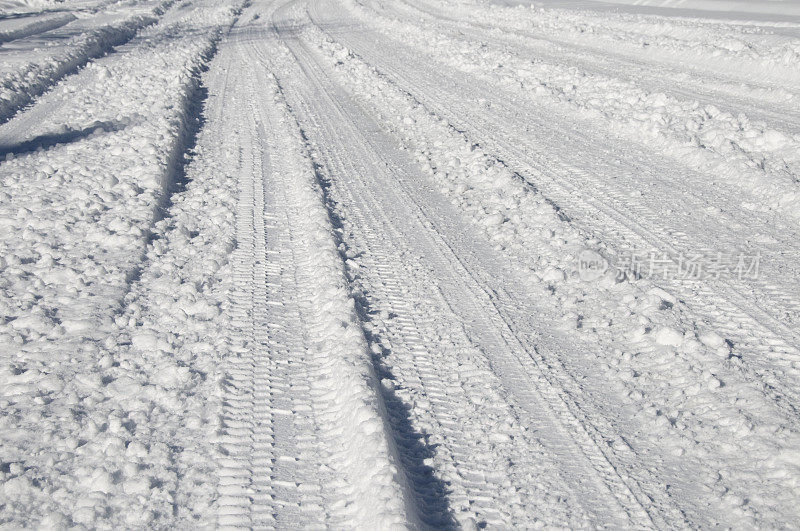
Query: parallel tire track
x,y
302,443
625,460
468,308
633,229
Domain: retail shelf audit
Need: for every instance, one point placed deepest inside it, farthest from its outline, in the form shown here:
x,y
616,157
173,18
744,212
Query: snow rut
x,y
413,337
629,227
304,439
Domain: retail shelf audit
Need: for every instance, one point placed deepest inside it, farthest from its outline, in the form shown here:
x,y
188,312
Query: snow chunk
x,y
668,337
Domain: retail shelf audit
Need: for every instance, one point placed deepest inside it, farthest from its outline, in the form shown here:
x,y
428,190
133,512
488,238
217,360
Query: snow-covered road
x,y
427,263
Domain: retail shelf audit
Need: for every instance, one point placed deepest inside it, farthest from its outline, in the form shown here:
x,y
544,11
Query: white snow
x,y
783,10
426,263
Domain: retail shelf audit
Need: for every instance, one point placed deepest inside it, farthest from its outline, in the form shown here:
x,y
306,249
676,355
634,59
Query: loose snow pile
x,y
90,396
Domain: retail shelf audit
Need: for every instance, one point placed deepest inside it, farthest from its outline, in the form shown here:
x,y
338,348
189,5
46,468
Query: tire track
x,y
485,333
611,214
685,364
303,443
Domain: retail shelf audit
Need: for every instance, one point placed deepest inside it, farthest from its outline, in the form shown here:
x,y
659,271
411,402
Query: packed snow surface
x,y
399,264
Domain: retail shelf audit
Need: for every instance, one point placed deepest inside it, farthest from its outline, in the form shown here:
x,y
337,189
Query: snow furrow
x,y
245,444
620,220
672,244
762,102
270,461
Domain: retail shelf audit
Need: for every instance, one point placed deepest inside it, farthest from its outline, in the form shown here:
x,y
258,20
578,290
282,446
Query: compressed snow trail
x,y
446,313
579,165
488,415
303,439
24,26
553,470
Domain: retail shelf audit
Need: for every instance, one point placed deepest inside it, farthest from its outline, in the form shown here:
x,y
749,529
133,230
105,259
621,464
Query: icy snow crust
x,y
292,263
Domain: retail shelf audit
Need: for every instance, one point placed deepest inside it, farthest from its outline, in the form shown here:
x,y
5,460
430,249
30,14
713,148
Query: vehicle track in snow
x,y
267,393
373,230
756,99
568,31
271,448
345,294
756,316
621,465
296,413
731,373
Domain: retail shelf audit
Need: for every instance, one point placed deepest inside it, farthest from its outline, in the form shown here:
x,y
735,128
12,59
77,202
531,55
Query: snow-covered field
x,y
416,263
